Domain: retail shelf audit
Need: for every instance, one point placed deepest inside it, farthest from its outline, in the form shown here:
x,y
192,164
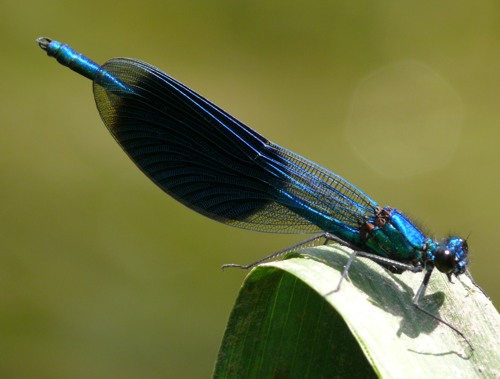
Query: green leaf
x,y
285,324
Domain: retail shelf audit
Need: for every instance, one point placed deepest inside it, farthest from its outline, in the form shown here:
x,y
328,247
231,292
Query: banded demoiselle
x,y
221,168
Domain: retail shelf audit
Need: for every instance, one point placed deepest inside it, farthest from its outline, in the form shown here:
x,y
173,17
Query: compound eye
x,y
445,261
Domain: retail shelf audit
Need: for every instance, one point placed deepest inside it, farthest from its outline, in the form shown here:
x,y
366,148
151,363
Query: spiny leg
x,y
327,236
390,263
345,271
377,259
416,300
468,274
356,253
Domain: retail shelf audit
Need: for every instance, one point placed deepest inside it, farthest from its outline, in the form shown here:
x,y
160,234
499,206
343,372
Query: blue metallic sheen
x,y
79,63
68,57
219,167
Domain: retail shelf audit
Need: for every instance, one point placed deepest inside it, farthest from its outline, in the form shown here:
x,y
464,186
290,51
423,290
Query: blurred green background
x,y
102,275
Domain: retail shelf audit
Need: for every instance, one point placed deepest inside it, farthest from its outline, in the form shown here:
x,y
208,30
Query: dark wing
x,y
214,164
